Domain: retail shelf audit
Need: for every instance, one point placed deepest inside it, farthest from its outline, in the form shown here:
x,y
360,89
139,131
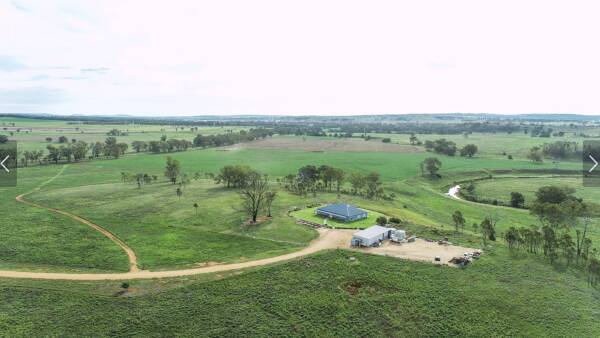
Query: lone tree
x,y
179,193
432,165
459,220
172,170
517,200
469,150
269,198
196,207
254,194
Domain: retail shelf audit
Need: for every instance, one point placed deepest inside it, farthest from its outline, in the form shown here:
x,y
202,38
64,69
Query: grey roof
x,y
371,232
346,210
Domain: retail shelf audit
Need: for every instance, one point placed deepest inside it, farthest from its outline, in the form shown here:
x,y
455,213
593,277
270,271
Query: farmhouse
x,y
371,236
342,212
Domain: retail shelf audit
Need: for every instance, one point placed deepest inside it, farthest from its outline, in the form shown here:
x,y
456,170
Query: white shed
x,y
371,236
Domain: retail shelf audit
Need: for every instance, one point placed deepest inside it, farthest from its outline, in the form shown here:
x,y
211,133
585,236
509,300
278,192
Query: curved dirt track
x,y
328,239
133,267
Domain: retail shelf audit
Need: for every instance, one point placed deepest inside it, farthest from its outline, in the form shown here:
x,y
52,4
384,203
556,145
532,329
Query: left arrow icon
x,y
595,164
2,163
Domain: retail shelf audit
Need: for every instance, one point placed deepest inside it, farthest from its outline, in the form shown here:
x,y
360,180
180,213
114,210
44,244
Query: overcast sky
x,y
299,57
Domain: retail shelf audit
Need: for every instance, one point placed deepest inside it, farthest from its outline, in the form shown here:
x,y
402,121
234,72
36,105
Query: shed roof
x,y
342,209
371,232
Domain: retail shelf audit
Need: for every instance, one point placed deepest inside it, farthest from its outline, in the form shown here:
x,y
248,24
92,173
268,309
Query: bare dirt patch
x,y
420,250
324,145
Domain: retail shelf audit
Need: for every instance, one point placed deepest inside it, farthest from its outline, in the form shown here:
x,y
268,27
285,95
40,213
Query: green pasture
x,y
309,214
167,232
491,145
35,239
499,187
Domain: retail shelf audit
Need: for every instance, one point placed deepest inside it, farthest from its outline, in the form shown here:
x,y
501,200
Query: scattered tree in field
x,y
469,150
179,192
432,165
125,285
517,200
172,170
459,220
535,154
413,139
254,194
48,139
488,230
196,207
381,220
269,198
63,139
386,140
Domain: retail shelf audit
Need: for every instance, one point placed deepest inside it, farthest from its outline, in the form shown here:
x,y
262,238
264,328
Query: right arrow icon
x,y
2,164
595,163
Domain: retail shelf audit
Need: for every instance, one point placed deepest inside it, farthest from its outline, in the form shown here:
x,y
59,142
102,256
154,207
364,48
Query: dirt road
x,y
133,267
328,239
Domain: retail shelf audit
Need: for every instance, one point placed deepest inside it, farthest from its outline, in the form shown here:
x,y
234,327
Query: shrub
x,y
395,220
381,220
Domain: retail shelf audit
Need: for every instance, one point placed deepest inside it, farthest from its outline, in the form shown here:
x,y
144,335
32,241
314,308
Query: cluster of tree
x,y
3,139
117,132
311,179
71,152
110,148
234,176
553,243
538,131
423,127
441,146
561,150
218,140
139,178
558,212
535,154
32,156
162,146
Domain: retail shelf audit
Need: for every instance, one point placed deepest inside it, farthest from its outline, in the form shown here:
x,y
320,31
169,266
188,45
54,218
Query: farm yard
x,y
197,246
